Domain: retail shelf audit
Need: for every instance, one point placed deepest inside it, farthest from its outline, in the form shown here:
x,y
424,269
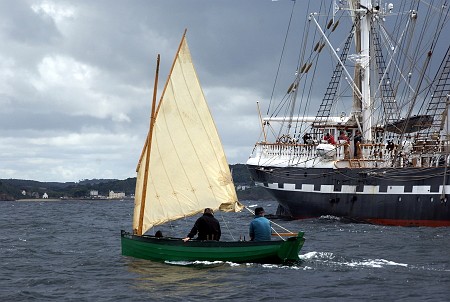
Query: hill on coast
x,y
16,189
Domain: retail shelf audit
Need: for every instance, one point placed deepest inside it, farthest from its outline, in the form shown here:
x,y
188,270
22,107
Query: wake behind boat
x,y
183,170
377,149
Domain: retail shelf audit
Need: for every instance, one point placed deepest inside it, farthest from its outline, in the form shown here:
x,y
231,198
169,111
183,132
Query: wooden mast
x,y
150,134
149,146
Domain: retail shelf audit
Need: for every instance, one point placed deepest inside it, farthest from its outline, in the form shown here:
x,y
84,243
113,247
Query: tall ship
x,y
368,139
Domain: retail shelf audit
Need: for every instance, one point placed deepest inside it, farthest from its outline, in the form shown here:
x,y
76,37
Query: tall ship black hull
x,y
412,197
376,148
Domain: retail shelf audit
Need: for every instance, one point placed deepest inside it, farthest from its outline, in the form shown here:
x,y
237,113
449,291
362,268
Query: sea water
x,y
70,251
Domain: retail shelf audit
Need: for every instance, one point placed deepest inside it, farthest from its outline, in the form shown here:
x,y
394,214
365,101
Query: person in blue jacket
x,y
260,229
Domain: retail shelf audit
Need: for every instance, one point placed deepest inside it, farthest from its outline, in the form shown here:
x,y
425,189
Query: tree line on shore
x,y
16,189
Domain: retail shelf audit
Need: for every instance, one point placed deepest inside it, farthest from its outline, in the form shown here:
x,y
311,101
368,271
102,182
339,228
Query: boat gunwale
x,y
206,243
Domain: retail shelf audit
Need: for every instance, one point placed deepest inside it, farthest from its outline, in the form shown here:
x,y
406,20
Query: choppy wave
x,y
77,257
327,257
329,217
206,264
199,263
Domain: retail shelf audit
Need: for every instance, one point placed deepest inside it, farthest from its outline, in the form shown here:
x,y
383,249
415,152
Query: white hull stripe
x,y
346,189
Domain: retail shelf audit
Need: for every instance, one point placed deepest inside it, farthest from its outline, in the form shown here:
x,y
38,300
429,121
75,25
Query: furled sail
x,y
187,169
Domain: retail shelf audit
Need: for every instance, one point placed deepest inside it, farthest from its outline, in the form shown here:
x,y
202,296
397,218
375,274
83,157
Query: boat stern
x,y
289,250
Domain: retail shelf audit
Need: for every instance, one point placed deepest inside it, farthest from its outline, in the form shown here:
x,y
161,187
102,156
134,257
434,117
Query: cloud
x,y
53,10
76,78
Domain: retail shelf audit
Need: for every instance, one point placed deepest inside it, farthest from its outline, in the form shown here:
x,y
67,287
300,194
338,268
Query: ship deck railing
x,y
365,155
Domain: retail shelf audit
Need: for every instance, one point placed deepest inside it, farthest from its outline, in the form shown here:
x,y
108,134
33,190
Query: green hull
x,y
174,249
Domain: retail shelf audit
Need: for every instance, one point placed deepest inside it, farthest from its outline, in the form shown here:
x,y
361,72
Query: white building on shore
x,y
114,195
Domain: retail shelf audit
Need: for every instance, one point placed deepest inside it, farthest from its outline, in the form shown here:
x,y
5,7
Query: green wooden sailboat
x,y
174,249
183,170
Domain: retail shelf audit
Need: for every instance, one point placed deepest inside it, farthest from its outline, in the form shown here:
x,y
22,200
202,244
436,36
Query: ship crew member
x,y
343,136
329,138
307,138
357,140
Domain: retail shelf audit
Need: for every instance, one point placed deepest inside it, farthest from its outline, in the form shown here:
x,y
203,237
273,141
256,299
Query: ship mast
x,y
365,9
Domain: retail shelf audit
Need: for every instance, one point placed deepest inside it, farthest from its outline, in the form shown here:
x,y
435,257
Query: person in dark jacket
x,y
207,227
357,140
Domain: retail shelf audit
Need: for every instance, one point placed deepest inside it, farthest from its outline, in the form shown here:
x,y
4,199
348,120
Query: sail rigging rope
x,y
282,53
226,226
408,75
305,101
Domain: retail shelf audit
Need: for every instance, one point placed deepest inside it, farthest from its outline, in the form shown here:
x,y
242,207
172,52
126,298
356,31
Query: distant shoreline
x,y
66,199
39,199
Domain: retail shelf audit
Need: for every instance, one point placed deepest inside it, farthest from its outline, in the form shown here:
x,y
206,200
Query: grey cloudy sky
x,y
76,78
